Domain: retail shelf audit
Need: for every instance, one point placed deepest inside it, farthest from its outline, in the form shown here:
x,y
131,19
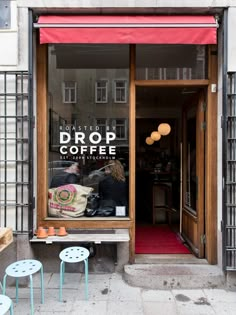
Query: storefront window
x,y
88,108
170,62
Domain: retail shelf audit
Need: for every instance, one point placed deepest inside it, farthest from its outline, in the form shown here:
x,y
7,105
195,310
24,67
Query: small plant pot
x,y
51,231
37,231
62,231
42,233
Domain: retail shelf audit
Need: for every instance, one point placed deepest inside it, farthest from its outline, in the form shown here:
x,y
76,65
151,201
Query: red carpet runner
x,y
158,240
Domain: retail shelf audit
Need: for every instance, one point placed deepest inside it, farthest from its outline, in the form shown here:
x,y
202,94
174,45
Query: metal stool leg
x,y
86,277
11,309
4,284
31,294
17,289
62,269
63,272
42,285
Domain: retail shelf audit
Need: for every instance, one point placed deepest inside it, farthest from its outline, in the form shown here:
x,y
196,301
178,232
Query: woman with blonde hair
x,y
115,168
113,189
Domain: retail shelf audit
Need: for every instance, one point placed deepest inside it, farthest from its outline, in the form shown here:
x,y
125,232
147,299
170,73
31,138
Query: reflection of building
x,y
129,84
87,96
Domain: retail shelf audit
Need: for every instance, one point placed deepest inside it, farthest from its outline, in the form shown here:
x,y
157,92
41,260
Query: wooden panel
x,y
200,167
165,83
132,136
211,160
189,230
194,230
85,223
42,133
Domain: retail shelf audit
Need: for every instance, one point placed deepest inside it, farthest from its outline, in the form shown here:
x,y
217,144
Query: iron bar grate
x,y
15,152
229,213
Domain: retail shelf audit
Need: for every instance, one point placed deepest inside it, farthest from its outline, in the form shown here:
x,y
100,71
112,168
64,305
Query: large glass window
x,y
170,62
90,130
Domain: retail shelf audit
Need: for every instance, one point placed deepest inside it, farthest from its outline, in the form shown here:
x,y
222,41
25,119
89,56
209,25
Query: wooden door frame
x,y
211,151
193,234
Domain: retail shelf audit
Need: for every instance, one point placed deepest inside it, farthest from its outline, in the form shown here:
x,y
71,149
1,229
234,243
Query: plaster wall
x,y
9,41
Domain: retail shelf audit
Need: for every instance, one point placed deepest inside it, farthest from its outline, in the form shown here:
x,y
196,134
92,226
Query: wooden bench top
x,y
95,236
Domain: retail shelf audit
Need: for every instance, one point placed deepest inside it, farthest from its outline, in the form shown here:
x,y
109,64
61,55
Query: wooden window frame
x,y
42,164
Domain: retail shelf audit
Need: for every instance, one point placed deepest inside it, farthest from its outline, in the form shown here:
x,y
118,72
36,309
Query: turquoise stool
x,y
5,304
24,268
73,254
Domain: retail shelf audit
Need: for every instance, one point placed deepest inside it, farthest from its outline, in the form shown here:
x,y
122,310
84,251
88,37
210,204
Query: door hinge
x,y
203,125
203,239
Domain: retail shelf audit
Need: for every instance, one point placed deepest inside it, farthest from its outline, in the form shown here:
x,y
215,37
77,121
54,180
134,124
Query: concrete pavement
x,y
109,294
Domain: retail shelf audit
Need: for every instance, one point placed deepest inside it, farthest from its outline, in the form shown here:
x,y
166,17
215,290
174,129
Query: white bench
x,y
91,236
106,236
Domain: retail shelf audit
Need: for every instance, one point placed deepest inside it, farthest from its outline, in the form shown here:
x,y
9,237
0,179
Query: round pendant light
x,y
149,141
164,129
155,135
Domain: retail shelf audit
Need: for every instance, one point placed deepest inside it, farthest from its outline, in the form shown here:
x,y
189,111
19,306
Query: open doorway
x,y
166,184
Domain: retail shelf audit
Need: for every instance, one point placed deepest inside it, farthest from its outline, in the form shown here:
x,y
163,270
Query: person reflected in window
x,y
70,175
113,186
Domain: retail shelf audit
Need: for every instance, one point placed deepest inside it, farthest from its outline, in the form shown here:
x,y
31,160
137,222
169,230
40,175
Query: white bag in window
x,y
68,201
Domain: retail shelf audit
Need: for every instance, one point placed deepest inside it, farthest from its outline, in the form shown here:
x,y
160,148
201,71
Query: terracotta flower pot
x,y
51,231
37,230
42,233
62,231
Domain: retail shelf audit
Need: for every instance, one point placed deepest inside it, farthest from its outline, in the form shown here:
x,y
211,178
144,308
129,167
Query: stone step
x,y
174,276
168,259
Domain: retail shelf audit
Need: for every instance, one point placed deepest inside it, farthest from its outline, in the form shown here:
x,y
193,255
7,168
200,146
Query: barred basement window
x,y
69,92
101,91
120,89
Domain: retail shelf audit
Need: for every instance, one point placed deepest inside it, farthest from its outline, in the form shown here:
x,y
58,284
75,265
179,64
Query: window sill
x,y
117,218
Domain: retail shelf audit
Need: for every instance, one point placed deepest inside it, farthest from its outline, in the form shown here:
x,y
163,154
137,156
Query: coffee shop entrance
x,y
170,170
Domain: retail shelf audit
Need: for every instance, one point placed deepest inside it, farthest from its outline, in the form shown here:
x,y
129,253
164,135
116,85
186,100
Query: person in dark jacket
x,y
70,175
113,186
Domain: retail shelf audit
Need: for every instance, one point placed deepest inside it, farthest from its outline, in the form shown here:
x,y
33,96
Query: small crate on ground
x,y
6,238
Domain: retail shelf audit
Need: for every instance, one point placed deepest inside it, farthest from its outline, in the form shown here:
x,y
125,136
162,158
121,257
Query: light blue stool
x,y
24,268
5,304
73,254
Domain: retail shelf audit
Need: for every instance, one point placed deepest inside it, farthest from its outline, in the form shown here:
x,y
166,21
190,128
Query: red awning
x,y
127,29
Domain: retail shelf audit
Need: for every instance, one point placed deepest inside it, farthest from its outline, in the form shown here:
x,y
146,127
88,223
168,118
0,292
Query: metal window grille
x,y
229,208
16,180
